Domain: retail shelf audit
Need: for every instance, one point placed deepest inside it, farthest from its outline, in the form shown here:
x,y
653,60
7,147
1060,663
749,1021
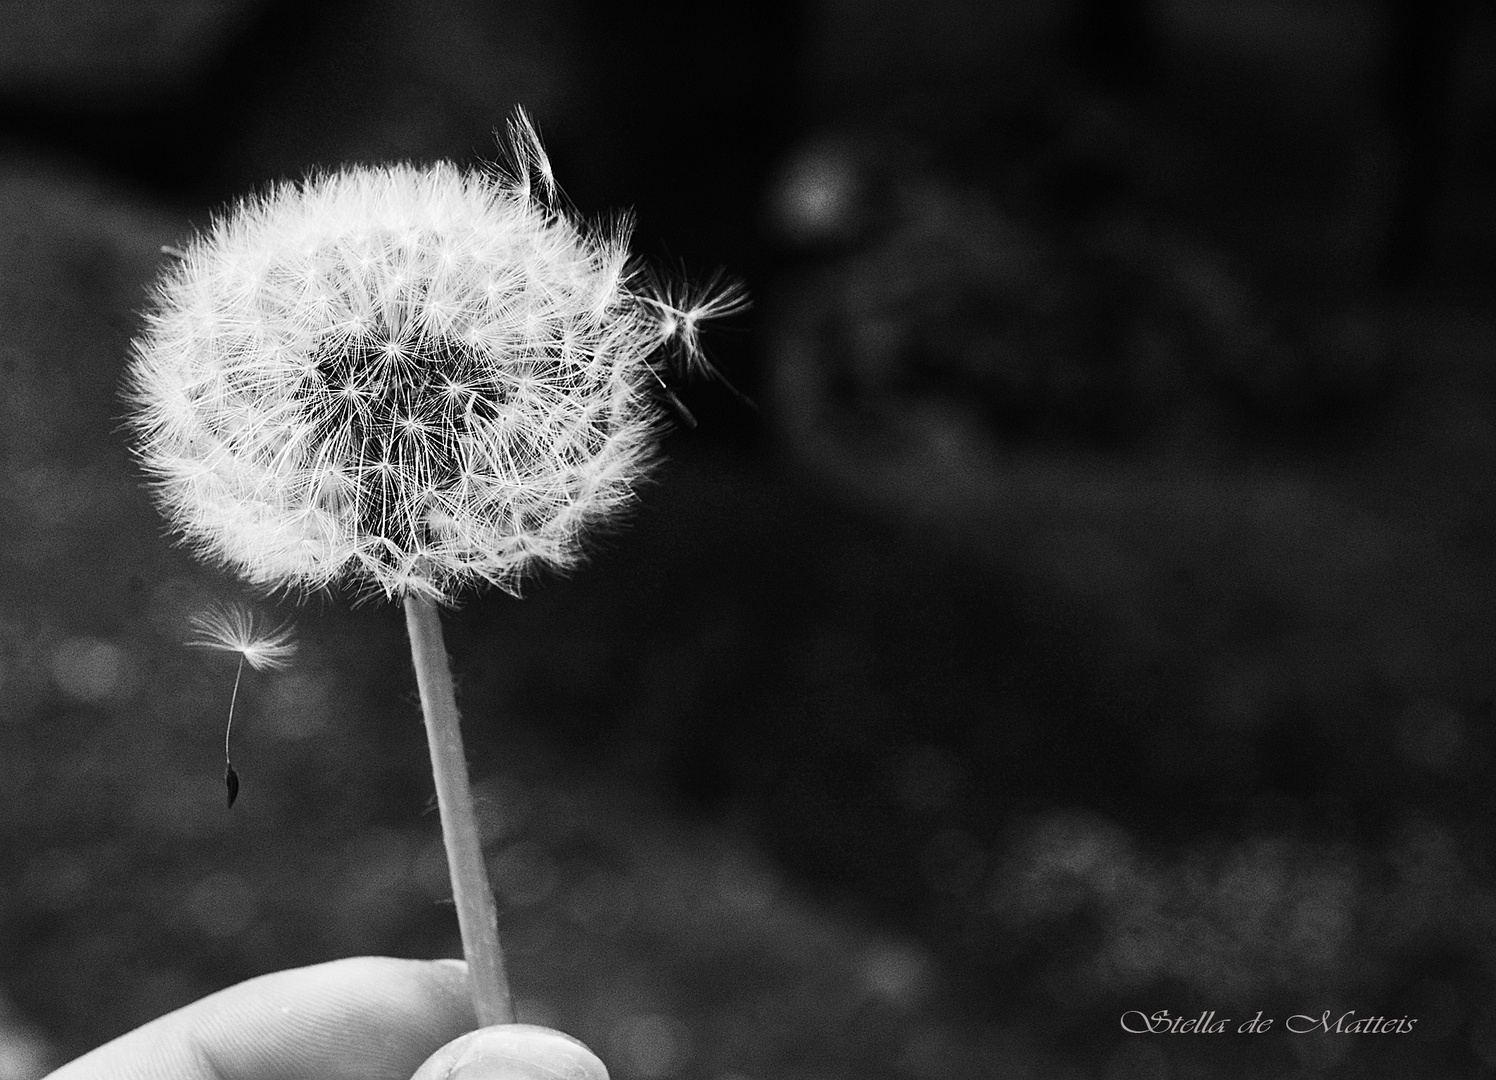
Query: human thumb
x,y
513,1052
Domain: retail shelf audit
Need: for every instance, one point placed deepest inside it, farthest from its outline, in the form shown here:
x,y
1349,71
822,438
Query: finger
x,y
513,1052
368,1018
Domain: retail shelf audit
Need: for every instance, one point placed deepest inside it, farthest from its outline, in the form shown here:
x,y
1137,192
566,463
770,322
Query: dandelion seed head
x,y
409,379
235,628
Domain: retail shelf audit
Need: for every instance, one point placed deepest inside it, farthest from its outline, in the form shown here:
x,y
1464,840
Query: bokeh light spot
x,y
897,973
92,670
816,197
651,1045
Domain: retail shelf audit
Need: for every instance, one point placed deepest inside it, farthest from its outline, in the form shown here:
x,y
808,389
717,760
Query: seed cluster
x,y
410,379
403,414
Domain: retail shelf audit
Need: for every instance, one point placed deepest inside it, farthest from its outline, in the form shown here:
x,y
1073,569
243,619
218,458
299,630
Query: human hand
x,y
368,1018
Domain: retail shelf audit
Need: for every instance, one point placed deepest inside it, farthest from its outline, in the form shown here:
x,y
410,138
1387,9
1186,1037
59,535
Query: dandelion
x,y
233,628
406,381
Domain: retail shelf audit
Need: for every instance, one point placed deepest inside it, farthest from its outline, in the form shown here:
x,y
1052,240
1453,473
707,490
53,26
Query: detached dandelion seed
x,y
233,628
407,381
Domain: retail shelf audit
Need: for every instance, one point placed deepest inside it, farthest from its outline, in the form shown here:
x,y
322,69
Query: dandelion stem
x,y
230,777
233,700
477,916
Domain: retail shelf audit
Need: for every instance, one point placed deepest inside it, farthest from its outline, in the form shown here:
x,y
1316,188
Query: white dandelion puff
x,y
409,379
235,628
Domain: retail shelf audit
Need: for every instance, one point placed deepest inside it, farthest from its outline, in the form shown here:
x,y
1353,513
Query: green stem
x,y
477,917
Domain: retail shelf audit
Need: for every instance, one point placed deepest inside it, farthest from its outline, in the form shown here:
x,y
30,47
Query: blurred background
x,y
1078,599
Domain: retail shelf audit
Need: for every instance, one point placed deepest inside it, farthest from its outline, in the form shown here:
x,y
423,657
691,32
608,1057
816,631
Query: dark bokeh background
x,y
1092,610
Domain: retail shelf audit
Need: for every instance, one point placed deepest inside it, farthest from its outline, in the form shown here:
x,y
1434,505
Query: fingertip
x,y
362,1018
449,974
514,1052
358,1017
